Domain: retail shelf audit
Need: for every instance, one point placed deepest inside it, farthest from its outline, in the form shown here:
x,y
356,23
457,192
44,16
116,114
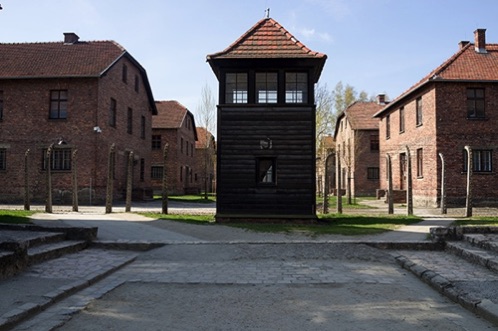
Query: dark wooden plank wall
x,y
292,132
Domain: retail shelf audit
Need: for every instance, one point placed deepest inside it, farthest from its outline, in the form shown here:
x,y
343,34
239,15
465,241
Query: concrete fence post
x,y
390,198
27,201
165,180
469,202
110,179
444,209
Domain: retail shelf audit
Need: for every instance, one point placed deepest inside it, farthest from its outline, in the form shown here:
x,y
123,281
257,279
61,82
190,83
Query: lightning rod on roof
x,y
267,13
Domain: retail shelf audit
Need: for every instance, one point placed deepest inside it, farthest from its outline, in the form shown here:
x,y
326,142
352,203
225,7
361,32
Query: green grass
x,y
348,225
190,198
341,224
477,221
355,205
15,216
194,219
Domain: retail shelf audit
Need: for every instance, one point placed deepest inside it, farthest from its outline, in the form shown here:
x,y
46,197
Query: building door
x,y
402,171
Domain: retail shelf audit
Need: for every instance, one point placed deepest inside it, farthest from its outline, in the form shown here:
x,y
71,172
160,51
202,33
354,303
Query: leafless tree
x,y
206,112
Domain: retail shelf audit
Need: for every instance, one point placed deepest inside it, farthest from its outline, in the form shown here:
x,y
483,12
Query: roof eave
x,y
414,90
143,73
50,77
402,97
337,121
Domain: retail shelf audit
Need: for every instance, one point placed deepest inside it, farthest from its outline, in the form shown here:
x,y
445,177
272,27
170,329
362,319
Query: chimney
x,y
462,44
70,38
480,40
381,99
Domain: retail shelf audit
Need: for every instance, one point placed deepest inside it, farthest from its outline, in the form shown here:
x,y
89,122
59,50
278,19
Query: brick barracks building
x,y
454,106
76,95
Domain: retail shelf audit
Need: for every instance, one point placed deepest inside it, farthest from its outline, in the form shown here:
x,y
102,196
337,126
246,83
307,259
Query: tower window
x,y
266,87
236,88
296,87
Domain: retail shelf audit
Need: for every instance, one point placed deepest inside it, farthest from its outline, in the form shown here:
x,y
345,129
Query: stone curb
x,y
483,307
17,315
127,245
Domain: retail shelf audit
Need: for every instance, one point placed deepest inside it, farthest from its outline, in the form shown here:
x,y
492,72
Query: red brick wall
x,y
446,130
365,158
415,137
177,158
360,160
26,125
455,131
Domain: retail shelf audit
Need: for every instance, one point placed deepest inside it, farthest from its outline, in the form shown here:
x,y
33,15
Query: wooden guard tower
x,y
266,126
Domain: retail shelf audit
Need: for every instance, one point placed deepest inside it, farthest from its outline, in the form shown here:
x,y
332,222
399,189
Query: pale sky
x,y
379,46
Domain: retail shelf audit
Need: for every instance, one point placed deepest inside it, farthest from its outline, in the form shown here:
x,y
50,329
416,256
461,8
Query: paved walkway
x,y
250,286
220,261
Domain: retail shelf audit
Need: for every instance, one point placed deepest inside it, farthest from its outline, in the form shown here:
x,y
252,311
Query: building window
x,y
388,126
475,103
266,170
129,121
142,127
482,160
418,103
156,141
420,162
124,74
156,172
266,87
374,143
113,113
58,104
142,170
236,88
373,173
1,105
3,159
402,119
192,149
137,83
181,174
60,160
296,87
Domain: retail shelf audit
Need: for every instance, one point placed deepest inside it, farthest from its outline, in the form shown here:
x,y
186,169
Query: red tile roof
x,y
56,59
360,116
266,39
202,136
464,65
170,115
59,59
328,141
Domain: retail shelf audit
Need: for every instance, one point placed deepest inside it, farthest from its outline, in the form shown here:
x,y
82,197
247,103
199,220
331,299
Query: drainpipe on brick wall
x,y
409,188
